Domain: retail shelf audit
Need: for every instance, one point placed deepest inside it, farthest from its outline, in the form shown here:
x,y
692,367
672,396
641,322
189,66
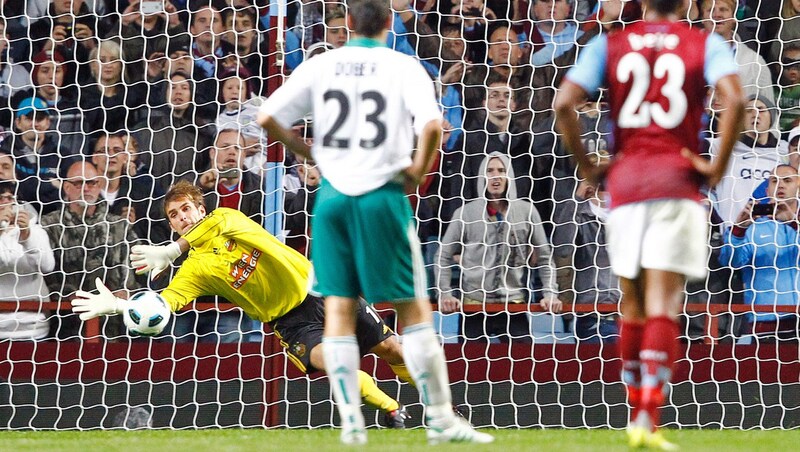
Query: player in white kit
x,y
368,102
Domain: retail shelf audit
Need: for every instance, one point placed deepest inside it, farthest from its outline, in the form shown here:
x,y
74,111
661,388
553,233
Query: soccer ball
x,y
147,313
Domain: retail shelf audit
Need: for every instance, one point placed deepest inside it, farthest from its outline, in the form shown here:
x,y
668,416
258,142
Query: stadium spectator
x,y
719,16
71,29
581,252
765,247
206,28
25,255
142,31
39,160
179,59
789,33
788,90
14,79
336,33
111,102
39,9
227,183
300,203
241,32
88,242
494,241
794,146
48,83
238,110
174,146
134,197
504,57
553,22
490,130
754,156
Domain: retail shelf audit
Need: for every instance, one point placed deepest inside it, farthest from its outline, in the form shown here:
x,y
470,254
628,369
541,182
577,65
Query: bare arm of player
x,y
569,96
430,140
292,142
730,97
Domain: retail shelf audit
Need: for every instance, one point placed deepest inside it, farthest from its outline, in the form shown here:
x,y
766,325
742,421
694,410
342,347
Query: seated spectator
x,y
111,102
39,160
494,241
719,16
206,28
227,183
754,156
134,197
25,255
580,247
89,243
788,90
765,247
14,79
553,22
174,146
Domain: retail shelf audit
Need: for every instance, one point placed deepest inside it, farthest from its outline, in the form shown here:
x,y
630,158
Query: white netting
x,y
150,97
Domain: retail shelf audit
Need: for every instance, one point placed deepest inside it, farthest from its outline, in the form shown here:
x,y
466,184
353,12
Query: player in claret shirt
x,y
656,73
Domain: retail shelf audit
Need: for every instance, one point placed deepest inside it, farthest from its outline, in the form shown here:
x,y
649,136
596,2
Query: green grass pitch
x,y
281,440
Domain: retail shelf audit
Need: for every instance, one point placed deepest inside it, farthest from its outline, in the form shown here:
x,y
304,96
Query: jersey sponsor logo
x,y
230,245
754,173
245,267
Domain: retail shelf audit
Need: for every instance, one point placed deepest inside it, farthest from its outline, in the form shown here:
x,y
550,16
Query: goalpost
x,y
548,378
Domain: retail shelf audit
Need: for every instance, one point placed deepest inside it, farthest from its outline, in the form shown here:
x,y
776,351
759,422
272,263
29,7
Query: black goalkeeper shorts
x,y
301,329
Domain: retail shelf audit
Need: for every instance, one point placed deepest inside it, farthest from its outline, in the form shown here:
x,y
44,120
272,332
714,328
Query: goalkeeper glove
x,y
104,303
145,258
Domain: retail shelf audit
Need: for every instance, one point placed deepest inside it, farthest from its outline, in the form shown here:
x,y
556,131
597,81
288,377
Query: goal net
x,y
151,92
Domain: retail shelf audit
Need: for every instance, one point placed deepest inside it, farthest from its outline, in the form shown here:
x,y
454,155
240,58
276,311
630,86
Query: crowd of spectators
x,y
104,104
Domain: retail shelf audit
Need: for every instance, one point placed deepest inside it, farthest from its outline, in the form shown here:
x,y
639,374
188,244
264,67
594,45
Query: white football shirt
x,y
364,100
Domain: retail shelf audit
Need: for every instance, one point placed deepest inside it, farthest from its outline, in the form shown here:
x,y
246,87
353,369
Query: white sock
x,y
425,361
342,361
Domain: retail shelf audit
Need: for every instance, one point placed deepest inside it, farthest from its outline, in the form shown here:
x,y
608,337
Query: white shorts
x,y
667,234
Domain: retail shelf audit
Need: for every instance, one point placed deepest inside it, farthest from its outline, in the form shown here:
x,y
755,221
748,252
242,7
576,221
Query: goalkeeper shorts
x,y
301,329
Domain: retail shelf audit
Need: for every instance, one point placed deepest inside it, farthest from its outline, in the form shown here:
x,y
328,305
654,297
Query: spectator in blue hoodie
x,y
765,246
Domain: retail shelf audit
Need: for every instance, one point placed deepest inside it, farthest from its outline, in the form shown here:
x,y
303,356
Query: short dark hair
x,y
8,186
369,16
665,6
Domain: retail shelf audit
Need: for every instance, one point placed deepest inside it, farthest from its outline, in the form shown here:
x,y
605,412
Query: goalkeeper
x,y
233,257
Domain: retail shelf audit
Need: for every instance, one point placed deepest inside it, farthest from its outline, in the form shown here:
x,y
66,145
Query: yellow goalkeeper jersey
x,y
235,258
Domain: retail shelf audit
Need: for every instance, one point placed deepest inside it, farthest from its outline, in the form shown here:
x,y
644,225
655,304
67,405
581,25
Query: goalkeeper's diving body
x,y
233,257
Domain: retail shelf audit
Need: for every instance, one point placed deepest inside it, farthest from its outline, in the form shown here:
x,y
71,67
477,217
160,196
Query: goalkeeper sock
x,y
659,350
630,342
342,362
402,372
372,394
425,360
